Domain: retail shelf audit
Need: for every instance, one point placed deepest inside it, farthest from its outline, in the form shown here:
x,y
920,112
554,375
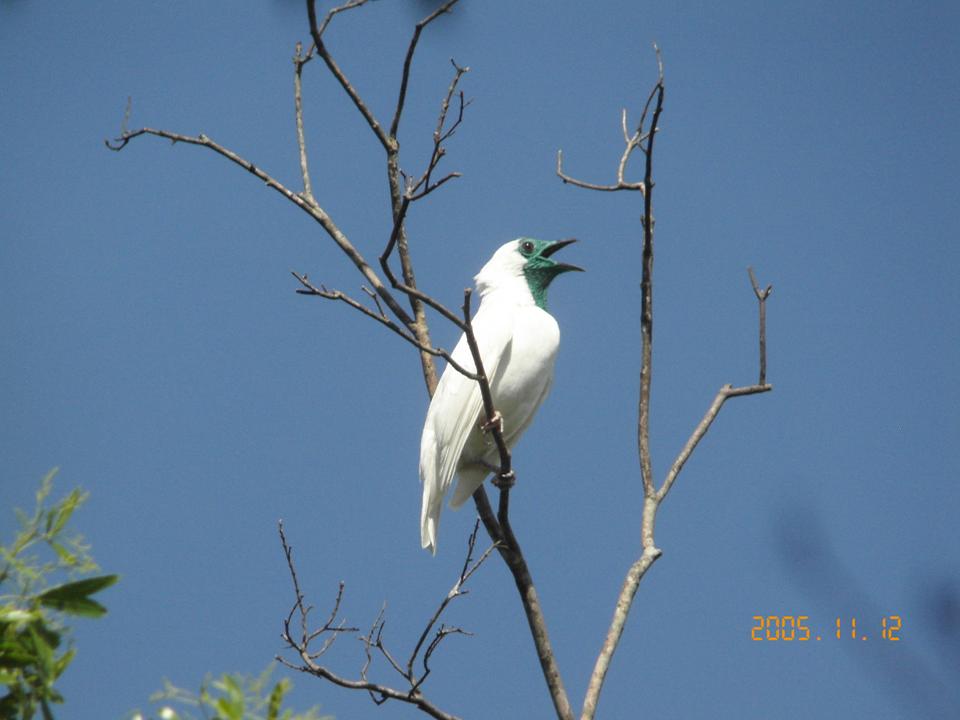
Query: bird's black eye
x,y
526,247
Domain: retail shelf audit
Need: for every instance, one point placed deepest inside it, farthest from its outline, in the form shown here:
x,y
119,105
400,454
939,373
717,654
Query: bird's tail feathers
x,y
429,521
432,496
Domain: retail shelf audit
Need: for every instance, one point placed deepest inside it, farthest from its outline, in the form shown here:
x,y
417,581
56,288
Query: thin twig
x,y
469,568
724,394
420,326
307,637
411,195
298,63
762,296
408,61
646,293
631,143
384,692
402,195
378,692
441,135
314,210
310,289
621,184
316,31
339,9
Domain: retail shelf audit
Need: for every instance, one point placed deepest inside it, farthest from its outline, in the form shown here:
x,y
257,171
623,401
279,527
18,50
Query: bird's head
x,y
524,266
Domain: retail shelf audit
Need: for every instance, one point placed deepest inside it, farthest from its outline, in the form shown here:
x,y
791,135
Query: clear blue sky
x,y
152,345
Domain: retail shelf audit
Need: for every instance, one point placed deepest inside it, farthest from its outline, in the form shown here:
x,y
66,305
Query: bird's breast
x,y
522,381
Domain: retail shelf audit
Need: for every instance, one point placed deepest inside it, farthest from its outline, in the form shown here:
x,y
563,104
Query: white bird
x,y
518,341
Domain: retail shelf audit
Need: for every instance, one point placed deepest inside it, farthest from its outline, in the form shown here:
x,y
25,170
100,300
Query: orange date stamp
x,y
798,628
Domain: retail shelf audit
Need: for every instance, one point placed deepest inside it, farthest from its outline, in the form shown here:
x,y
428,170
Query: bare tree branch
x,y
402,196
339,9
306,637
646,289
299,60
312,209
632,142
762,296
469,568
423,187
413,192
643,139
310,289
724,394
502,534
412,327
408,61
316,31
373,641
418,325
650,552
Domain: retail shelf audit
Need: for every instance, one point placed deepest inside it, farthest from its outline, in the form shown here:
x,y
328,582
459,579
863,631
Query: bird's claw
x,y
495,422
504,481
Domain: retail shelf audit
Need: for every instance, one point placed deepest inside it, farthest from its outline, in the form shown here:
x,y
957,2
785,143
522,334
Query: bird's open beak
x,y
557,245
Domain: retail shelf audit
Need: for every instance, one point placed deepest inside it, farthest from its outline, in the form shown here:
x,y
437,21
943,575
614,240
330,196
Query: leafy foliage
x,y
33,651
232,697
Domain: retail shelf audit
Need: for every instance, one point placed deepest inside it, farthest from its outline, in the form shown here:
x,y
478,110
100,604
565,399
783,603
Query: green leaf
x,y
66,557
43,652
11,615
62,662
14,656
46,485
46,630
73,597
11,706
231,709
47,712
79,606
276,699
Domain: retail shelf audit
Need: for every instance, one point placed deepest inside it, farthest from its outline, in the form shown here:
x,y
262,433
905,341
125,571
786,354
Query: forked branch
x,y
300,638
380,316
762,296
643,139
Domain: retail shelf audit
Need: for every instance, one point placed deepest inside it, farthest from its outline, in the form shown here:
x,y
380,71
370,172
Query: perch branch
x,y
417,327
502,533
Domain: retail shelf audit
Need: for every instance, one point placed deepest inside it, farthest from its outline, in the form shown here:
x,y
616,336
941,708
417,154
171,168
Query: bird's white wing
x,y
518,413
454,413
